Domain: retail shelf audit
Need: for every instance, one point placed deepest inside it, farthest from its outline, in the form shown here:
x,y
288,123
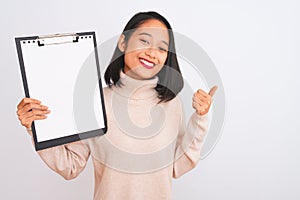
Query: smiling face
x,y
146,50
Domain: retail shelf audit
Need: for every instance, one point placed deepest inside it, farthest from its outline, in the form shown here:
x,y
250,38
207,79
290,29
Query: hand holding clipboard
x,y
31,109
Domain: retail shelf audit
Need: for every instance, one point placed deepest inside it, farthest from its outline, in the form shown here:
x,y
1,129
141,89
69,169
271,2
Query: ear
x,y
122,43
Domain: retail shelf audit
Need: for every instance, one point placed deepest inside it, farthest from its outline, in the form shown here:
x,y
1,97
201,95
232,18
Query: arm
x,y
190,138
67,160
189,143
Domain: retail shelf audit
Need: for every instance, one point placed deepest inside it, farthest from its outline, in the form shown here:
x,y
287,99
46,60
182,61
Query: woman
x,y
147,143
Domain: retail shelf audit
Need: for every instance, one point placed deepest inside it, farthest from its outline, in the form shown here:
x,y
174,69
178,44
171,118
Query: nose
x,y
151,52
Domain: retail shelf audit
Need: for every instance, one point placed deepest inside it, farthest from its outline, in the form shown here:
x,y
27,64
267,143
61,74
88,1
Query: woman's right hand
x,y
31,109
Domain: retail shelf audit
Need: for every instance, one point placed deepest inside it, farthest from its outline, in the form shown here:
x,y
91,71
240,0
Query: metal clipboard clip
x,y
57,39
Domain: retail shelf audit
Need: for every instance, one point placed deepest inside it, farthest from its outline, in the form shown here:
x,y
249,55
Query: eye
x,y
144,41
162,49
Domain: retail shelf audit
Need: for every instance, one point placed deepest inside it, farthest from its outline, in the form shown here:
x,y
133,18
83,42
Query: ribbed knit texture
x,y
146,145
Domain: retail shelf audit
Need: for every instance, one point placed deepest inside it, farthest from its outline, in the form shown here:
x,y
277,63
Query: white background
x,y
254,45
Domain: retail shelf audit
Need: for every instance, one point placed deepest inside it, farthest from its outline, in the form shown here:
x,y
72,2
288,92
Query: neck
x,y
135,88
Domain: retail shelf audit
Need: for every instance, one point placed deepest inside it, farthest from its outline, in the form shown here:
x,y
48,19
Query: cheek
x,y
133,45
163,58
130,59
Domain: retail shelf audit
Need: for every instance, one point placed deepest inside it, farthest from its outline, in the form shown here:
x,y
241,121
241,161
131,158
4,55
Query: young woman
x,y
148,145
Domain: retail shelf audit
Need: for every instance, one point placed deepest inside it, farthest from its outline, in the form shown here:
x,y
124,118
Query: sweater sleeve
x,y
189,143
67,160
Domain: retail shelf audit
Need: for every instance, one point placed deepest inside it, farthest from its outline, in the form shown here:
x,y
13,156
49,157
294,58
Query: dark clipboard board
x,y
75,47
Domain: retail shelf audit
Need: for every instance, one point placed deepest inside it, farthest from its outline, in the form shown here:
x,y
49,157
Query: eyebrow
x,y
148,34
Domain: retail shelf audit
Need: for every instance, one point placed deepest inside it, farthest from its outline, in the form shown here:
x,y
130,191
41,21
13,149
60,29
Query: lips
x,y
146,63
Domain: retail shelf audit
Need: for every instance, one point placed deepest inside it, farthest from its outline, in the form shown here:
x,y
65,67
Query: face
x,y
146,50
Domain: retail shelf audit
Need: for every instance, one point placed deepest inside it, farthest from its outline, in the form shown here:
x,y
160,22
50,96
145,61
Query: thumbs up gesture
x,y
203,100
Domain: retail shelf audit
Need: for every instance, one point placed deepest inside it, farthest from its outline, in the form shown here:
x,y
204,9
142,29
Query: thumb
x,y
213,90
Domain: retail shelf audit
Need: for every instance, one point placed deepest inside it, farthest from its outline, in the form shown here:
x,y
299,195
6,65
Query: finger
x,y
36,117
201,101
202,93
204,105
213,90
26,101
26,123
199,109
203,96
26,120
196,106
31,106
36,112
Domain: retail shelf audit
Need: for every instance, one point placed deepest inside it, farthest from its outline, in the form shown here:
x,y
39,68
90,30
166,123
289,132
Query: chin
x,y
144,76
140,73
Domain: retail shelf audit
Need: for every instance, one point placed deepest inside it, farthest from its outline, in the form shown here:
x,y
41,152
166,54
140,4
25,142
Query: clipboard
x,y
62,71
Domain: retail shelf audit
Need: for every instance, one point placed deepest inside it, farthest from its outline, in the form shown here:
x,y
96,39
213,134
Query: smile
x,y
146,63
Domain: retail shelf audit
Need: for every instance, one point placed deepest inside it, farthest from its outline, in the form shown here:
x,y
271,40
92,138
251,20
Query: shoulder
x,y
175,105
107,92
176,101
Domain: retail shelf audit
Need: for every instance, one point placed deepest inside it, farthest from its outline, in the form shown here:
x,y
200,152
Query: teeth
x,y
147,63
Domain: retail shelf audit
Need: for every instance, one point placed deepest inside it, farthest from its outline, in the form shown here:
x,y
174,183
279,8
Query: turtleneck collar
x,y
136,89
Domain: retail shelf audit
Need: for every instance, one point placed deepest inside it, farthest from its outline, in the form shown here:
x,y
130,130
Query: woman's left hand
x,y
203,100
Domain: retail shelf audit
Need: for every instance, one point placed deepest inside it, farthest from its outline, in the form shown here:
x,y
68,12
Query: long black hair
x,y
170,80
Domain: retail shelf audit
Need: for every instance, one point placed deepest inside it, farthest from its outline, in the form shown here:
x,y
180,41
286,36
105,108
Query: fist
x,y
203,100
31,109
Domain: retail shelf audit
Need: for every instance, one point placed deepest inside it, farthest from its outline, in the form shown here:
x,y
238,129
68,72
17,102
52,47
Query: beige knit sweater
x,y
146,145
